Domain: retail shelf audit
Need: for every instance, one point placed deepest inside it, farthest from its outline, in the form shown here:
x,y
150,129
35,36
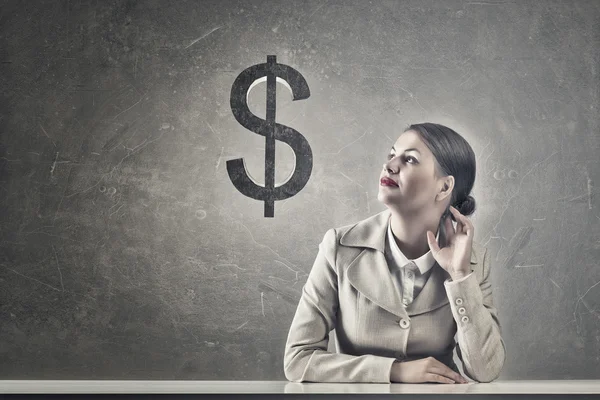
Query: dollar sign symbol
x,y
271,131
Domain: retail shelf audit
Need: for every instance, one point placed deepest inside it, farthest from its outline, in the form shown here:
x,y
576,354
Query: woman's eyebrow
x,y
412,148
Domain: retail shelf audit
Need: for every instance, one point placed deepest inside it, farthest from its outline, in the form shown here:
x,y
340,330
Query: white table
x,y
193,389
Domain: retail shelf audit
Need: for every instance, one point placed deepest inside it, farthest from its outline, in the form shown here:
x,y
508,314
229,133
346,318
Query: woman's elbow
x,y
493,374
292,372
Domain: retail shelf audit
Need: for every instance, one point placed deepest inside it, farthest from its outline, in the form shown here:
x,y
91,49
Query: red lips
x,y
388,182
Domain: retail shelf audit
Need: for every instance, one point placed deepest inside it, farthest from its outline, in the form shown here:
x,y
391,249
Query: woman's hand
x,y
424,370
455,256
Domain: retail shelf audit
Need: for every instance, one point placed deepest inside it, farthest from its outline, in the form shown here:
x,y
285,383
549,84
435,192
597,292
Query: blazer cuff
x,y
450,280
384,369
466,300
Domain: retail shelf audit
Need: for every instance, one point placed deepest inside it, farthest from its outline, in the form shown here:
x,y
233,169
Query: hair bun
x,y
467,207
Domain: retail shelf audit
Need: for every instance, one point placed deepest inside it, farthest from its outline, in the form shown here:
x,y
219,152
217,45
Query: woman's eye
x,y
390,156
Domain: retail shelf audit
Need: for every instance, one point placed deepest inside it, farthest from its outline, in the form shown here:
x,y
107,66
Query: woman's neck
x,y
410,233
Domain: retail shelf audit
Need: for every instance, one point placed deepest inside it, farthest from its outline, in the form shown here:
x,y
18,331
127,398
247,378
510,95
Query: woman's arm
x,y
306,357
480,345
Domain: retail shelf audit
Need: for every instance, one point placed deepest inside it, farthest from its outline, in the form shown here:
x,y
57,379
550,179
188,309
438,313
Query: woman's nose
x,y
386,167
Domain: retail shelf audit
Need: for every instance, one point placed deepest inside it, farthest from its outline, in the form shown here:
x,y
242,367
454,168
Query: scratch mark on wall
x,y
58,266
136,103
219,160
46,133
33,279
579,300
201,37
53,164
345,176
555,284
241,326
527,266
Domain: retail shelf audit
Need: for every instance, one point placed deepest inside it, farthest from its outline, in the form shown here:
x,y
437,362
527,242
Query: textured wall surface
x,y
127,253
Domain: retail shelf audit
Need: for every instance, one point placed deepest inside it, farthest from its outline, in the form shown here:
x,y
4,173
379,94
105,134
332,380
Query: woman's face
x,y
411,165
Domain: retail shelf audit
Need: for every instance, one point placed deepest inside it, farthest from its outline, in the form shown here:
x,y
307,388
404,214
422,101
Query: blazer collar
x,y
369,272
370,232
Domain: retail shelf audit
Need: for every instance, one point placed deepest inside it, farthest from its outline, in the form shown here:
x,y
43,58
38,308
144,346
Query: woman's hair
x,y
453,156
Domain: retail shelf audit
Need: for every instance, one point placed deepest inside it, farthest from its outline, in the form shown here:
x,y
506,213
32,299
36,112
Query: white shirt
x,y
409,275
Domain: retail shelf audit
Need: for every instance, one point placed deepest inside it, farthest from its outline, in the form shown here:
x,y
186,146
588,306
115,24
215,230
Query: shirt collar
x,y
424,263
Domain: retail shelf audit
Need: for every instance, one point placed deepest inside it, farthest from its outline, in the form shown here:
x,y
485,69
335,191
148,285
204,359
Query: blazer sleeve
x,y
306,358
480,345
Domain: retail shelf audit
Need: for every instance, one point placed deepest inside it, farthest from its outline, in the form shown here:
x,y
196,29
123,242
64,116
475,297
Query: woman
x,y
394,295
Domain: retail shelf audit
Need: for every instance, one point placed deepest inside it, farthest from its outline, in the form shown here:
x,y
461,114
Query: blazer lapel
x,y
370,275
369,272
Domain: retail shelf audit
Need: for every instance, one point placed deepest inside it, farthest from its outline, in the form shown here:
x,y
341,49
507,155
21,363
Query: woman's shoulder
x,y
368,231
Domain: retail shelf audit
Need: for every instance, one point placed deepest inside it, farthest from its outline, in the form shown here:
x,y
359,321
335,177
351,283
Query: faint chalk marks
x,y
233,220
202,37
165,126
500,174
527,266
291,269
412,96
488,3
519,240
317,9
53,165
9,160
32,279
231,265
213,131
116,139
349,144
240,327
117,210
124,111
580,300
46,133
555,284
135,150
225,272
262,303
200,214
58,266
267,287
345,176
579,198
516,192
219,160
589,188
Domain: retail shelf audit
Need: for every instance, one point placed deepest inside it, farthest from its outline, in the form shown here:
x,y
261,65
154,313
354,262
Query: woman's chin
x,y
385,198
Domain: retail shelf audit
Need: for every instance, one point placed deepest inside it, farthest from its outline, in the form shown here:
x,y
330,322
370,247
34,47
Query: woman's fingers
x,y
442,369
437,378
464,225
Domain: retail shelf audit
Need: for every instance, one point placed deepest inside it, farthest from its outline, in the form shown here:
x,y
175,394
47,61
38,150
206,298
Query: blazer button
x,y
462,310
464,318
404,323
459,301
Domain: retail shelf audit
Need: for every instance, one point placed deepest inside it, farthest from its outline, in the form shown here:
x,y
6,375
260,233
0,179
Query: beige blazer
x,y
350,289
